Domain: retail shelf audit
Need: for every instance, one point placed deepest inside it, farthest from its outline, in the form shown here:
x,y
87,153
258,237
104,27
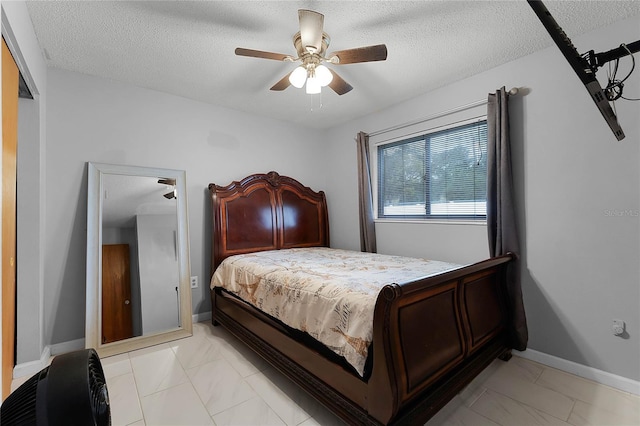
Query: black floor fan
x,y
71,391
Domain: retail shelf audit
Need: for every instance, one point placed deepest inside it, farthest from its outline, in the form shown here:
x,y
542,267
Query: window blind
x,y
435,175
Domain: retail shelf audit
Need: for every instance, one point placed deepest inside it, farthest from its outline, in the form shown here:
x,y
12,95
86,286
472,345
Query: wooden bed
x,y
431,337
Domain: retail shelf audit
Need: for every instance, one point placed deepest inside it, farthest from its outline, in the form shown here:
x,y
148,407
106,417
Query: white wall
x,y
93,119
581,267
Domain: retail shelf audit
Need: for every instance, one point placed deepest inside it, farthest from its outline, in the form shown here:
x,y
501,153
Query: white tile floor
x,y
212,379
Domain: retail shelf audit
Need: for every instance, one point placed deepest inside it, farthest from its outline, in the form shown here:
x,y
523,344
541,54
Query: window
x,y
439,175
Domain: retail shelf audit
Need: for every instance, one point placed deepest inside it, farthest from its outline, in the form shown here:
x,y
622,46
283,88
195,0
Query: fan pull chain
x,y
315,102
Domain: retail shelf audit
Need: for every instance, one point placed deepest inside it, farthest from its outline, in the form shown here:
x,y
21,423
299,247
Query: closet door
x,y
10,81
116,293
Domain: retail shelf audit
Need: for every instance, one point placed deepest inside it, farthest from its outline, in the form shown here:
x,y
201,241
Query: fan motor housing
x,y
302,52
71,391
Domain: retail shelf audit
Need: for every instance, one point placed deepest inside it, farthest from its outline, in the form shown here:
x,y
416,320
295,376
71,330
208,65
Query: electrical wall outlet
x,y
617,327
194,282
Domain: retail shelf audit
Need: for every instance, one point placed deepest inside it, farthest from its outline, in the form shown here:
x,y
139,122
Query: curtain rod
x,y
513,91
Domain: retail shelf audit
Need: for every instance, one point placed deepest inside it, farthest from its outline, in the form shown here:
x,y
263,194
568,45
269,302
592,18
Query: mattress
x,y
329,294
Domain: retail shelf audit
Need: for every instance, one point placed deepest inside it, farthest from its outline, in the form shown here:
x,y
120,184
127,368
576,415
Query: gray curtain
x,y
365,197
501,219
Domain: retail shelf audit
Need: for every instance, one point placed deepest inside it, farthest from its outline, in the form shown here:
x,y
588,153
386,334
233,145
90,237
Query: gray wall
x,y
92,119
574,181
159,281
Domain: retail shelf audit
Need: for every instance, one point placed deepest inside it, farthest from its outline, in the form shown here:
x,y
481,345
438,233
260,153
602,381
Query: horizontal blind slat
x,y
442,174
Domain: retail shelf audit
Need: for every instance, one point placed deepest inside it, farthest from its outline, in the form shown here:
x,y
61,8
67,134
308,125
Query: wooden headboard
x,y
266,212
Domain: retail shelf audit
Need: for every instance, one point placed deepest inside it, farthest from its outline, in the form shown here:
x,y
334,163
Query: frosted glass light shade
x,y
313,86
298,77
323,75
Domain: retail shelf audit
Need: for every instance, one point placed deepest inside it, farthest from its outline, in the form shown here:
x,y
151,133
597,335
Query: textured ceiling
x,y
187,48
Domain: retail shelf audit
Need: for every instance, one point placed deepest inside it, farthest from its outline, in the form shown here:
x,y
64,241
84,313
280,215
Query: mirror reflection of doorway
x,y
117,321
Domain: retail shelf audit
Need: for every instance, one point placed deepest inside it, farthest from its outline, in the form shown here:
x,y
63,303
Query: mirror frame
x,y
93,324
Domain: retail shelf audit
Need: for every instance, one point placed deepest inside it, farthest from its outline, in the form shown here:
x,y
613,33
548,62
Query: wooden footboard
x,y
431,338
426,331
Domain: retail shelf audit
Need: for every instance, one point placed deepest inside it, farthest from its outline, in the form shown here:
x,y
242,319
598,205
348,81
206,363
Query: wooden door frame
x,y
10,77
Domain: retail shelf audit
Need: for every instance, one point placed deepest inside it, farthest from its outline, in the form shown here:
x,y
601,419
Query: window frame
x,y
417,135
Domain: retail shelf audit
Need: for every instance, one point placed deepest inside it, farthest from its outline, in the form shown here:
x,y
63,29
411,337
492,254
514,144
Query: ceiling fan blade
x,y
167,181
283,83
338,84
261,54
360,54
311,24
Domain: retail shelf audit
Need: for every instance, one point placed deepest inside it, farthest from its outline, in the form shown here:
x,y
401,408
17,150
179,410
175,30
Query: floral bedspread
x,y
328,293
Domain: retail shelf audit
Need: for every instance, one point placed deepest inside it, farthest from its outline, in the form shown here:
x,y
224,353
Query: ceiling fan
x,y
169,182
311,45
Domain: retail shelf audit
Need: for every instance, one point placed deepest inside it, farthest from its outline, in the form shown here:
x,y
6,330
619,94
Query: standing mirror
x,y
138,290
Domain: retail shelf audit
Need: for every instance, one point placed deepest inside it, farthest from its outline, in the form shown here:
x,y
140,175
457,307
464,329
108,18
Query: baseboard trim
x,y
201,317
32,367
621,383
64,347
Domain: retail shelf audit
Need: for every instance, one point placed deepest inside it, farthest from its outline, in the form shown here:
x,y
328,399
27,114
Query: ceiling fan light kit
x,y
313,86
311,45
298,77
316,77
323,75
